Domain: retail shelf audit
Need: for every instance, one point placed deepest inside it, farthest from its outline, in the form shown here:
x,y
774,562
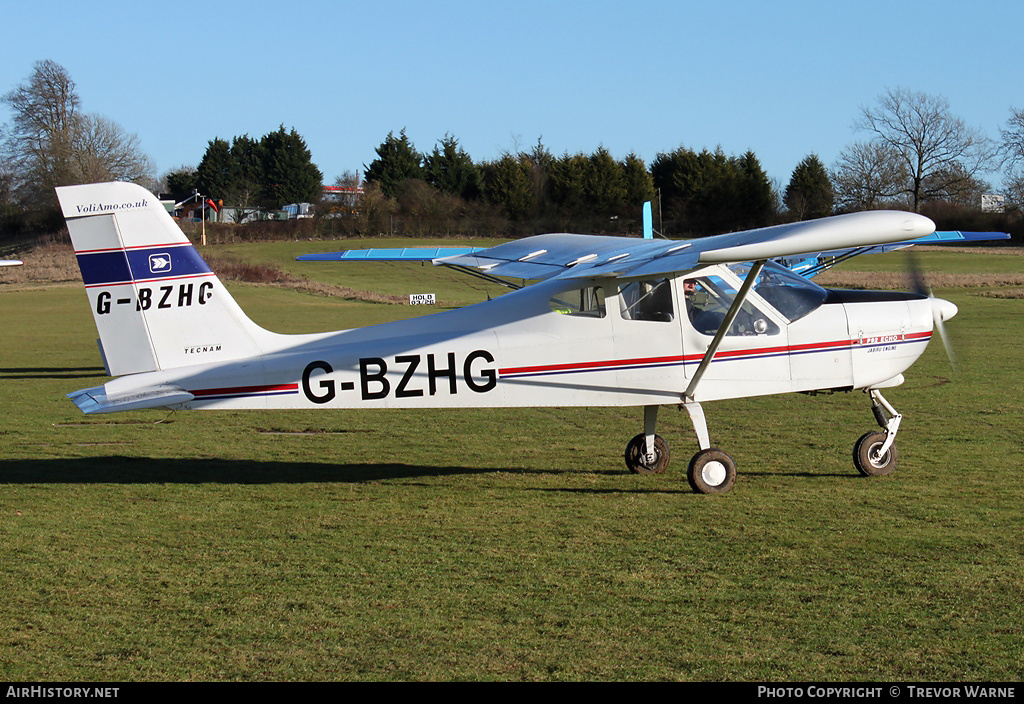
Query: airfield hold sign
x,y
422,299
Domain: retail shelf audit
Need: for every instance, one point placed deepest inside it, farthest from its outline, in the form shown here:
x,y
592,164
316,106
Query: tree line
x,y
914,154
530,191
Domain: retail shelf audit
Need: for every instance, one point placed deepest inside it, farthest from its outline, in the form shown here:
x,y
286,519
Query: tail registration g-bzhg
x,y
610,321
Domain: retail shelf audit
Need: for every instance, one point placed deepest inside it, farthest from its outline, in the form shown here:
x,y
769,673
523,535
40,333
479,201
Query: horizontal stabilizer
x,y
95,399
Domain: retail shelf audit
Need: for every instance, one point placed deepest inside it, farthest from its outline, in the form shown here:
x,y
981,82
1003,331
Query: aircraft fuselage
x,y
540,351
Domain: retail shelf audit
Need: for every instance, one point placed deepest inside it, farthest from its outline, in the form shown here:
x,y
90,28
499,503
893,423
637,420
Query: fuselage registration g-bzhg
x,y
610,321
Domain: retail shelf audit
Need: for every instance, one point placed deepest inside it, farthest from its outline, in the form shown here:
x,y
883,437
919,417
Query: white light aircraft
x,y
610,321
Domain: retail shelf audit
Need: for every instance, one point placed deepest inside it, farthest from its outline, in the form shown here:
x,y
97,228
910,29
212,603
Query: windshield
x,y
789,293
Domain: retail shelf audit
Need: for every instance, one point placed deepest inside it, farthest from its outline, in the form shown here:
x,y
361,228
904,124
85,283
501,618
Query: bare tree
x,y
8,206
935,152
955,185
1012,145
50,142
38,143
103,151
1012,152
867,175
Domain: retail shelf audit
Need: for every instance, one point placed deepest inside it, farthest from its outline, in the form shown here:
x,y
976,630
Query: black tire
x,y
636,462
711,471
864,451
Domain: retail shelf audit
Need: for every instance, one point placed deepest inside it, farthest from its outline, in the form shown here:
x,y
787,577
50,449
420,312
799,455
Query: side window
x,y
647,300
708,299
585,302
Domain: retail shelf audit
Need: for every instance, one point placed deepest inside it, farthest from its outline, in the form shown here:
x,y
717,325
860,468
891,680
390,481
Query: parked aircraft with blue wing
x,y
607,321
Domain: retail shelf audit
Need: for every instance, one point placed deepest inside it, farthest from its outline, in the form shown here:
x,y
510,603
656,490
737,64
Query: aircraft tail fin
x,y
156,303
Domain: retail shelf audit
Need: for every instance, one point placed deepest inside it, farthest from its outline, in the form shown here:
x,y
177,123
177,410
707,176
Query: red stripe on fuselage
x,y
238,390
613,364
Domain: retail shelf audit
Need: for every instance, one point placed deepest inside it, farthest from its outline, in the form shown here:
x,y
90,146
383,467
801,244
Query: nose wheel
x,y
874,454
869,458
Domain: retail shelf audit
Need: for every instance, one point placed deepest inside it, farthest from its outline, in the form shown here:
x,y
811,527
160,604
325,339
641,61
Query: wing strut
x,y
483,275
734,309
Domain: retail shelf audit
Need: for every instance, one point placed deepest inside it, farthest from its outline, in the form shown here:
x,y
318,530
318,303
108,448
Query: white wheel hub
x,y
713,473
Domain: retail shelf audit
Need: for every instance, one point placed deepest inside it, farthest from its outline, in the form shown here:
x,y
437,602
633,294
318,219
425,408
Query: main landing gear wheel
x,y
639,463
711,471
867,459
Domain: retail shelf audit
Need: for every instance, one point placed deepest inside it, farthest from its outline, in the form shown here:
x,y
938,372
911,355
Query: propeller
x,y
942,310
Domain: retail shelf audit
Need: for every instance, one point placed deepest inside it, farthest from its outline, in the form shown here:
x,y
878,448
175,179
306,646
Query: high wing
x,y
805,247
812,264
592,256
10,262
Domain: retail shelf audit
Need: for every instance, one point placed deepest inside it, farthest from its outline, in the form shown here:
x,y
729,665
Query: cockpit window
x,y
647,300
790,294
708,299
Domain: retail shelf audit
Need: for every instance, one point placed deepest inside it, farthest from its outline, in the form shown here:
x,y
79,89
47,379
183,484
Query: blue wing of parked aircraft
x,y
403,254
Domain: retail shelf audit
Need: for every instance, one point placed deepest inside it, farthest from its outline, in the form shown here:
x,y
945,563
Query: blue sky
x,y
784,79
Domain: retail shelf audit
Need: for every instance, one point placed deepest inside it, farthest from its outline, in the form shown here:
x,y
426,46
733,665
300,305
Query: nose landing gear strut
x,y
874,454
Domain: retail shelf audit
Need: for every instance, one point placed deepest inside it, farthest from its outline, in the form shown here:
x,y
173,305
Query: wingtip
x,y
918,225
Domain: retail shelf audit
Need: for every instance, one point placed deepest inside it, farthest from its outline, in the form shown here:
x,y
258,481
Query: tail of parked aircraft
x,y
156,303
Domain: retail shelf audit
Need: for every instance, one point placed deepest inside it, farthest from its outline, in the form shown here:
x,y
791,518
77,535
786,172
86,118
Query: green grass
x,y
378,277
497,544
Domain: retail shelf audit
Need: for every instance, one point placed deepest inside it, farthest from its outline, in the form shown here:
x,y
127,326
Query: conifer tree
x,y
397,160
809,193
451,170
288,174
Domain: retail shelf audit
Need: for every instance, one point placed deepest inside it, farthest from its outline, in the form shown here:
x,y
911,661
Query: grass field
x,y
505,545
